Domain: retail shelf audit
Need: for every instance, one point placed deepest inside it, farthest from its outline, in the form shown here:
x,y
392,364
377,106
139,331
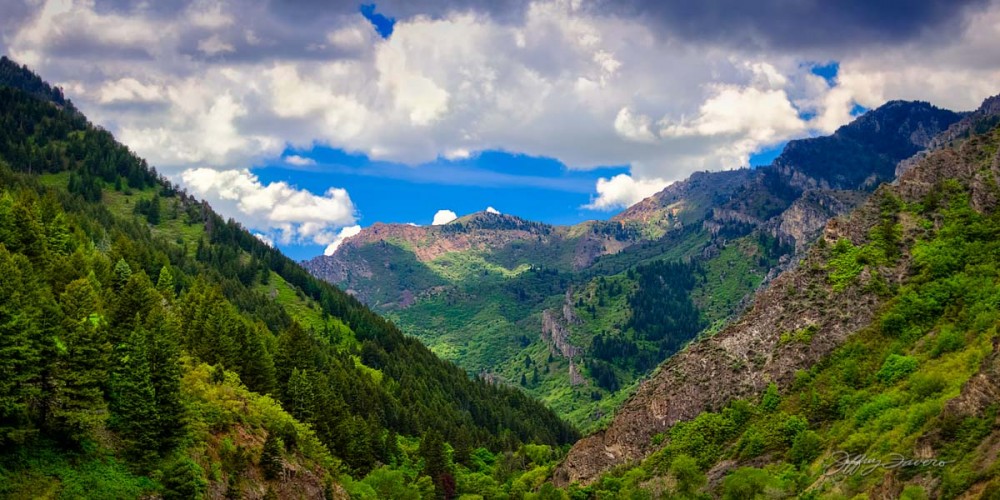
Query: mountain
x,y
880,344
578,315
150,348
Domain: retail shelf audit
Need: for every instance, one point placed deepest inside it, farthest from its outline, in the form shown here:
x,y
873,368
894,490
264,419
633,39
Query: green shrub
x,y
688,476
893,324
806,446
843,265
895,368
752,444
746,483
913,492
948,340
183,480
771,399
925,386
793,426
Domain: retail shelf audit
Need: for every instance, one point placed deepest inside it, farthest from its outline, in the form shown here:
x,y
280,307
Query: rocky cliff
x,y
742,359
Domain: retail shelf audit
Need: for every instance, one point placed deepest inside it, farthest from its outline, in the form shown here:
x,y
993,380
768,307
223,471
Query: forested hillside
x,y
870,371
578,315
149,347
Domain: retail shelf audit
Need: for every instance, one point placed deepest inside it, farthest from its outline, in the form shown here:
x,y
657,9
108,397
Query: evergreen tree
x,y
165,377
153,212
134,302
122,273
271,463
432,451
19,347
462,447
295,350
82,364
165,284
133,399
301,396
257,365
183,480
390,449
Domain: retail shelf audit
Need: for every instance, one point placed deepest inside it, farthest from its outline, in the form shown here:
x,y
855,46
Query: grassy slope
x,y
484,326
884,392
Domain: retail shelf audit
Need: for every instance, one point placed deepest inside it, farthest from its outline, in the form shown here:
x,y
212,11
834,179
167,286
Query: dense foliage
x,y
916,383
110,278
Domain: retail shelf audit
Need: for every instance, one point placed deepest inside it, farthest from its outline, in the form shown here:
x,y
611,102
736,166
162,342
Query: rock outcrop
x,y
742,359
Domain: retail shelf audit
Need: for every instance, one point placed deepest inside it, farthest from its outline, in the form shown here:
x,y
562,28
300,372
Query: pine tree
x,y
462,447
165,377
257,365
165,284
301,396
183,480
270,459
432,451
153,213
81,368
19,347
122,273
390,448
133,302
29,234
133,399
295,350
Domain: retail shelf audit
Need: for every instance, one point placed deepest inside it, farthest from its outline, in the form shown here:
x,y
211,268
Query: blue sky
x,y
553,105
538,189
535,188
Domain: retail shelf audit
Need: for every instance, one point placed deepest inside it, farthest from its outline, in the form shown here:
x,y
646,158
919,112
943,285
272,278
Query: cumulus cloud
x,y
264,238
623,191
491,210
299,161
779,24
227,85
293,215
443,217
344,233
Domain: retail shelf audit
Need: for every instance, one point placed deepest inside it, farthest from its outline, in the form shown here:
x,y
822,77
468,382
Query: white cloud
x,y
443,217
634,128
299,161
491,210
344,233
129,90
623,191
265,239
293,215
214,45
561,81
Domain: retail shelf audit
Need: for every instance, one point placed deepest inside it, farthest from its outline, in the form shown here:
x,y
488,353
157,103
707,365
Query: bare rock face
x,y
693,198
738,362
805,219
555,334
745,357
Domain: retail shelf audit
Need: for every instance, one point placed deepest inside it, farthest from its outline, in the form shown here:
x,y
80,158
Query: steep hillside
x,y
150,347
882,341
572,314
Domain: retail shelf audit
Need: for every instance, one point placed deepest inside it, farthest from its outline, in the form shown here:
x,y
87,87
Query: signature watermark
x,y
849,465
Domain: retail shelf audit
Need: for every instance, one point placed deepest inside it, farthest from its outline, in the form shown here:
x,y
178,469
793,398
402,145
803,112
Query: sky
x,y
307,120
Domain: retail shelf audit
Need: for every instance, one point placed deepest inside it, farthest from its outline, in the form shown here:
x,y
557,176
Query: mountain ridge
x,y
751,353
737,230
157,349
